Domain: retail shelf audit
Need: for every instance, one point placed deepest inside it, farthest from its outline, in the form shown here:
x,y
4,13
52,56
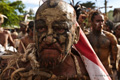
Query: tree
x,y
12,11
31,12
88,4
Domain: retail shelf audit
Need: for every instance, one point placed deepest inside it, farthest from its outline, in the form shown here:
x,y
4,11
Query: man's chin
x,y
50,58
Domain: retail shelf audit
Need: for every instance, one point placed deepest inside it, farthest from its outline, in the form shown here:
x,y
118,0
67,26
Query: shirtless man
x,y
56,31
103,42
5,35
23,29
117,34
26,39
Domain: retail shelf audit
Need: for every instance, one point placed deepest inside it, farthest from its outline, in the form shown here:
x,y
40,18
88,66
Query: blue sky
x,y
34,4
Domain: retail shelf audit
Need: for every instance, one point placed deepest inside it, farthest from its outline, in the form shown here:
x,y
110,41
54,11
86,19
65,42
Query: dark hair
x,y
30,25
94,14
109,24
77,7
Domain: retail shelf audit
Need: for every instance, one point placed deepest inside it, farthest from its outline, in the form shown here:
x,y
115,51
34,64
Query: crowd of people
x,y
46,43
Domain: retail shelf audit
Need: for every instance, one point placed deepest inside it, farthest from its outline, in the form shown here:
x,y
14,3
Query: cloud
x,y
35,2
33,8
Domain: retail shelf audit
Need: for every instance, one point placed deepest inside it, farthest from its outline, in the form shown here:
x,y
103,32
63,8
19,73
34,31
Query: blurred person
x,y
24,41
23,29
6,43
6,38
14,35
117,34
81,14
103,42
81,19
108,26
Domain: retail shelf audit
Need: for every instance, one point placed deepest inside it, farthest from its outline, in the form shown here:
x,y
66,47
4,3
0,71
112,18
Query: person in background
x,y
81,20
23,30
108,26
6,38
6,41
117,34
103,42
24,41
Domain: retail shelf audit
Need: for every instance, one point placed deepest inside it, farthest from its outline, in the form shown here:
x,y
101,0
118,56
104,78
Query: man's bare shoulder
x,y
6,32
111,36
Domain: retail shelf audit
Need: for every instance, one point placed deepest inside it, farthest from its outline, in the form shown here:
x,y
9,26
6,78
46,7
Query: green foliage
x,y
12,11
110,15
88,4
31,12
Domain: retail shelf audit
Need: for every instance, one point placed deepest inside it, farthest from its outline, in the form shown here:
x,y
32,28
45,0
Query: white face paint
x,y
97,24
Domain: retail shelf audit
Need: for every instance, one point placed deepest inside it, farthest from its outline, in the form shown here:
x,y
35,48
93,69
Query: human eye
x,y
41,26
59,28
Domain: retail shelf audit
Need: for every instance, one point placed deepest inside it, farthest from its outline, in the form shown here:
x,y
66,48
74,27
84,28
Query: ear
x,y
77,33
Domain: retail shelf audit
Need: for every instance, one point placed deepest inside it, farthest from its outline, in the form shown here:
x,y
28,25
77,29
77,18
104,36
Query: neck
x,y
97,32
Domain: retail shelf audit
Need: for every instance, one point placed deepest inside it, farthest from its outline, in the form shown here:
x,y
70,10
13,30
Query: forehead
x,y
99,17
56,13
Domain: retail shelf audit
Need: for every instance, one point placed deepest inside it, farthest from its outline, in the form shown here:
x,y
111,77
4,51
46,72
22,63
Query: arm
x,y
114,50
21,46
10,39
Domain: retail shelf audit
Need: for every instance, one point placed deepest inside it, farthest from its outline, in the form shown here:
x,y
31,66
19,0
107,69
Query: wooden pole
x,y
105,7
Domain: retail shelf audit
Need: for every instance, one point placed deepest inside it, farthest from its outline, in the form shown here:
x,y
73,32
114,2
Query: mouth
x,y
50,52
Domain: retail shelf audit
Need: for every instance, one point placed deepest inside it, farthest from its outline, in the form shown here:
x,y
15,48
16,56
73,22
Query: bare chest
x,y
99,41
27,40
3,36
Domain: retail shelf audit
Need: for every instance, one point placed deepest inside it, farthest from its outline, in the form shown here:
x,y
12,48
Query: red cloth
x,y
85,48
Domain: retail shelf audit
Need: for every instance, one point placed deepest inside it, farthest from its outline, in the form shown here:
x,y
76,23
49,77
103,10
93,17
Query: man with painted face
x,y
56,31
104,43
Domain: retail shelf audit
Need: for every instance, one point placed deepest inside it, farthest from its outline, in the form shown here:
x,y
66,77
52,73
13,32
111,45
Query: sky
x,y
34,4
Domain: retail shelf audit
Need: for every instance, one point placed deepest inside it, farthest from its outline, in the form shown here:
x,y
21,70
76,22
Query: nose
x,y
49,39
101,22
